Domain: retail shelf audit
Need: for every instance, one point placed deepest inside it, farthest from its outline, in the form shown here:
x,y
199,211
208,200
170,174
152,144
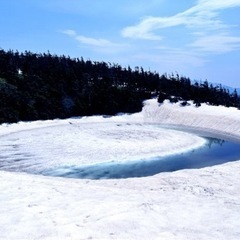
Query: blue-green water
x,y
215,152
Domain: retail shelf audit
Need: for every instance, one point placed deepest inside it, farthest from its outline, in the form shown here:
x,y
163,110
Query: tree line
x,y
37,86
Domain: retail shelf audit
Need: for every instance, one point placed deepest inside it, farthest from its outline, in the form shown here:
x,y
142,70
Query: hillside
x,y
45,86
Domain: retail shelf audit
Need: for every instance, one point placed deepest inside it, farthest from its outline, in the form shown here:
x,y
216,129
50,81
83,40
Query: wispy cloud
x,y
217,43
217,4
186,40
69,32
145,29
173,58
96,43
201,17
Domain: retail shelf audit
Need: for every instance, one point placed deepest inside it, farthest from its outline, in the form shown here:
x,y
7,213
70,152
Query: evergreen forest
x,y
42,86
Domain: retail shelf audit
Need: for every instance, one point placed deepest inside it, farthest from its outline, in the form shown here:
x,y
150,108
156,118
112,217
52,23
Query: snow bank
x,y
219,120
189,204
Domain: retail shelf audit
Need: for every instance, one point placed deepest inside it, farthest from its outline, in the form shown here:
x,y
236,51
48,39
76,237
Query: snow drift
x,y
188,204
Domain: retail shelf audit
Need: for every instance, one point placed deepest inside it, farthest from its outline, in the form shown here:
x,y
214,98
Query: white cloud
x,y
173,59
218,4
202,16
217,43
69,32
144,30
99,44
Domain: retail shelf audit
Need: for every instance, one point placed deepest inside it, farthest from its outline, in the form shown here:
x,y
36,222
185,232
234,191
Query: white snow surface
x,y
187,204
81,143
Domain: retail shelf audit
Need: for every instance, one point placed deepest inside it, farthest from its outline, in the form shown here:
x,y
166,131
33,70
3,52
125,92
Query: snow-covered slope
x,y
188,204
219,120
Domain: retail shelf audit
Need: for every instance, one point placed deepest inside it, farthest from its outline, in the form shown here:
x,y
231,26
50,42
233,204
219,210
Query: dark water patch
x,y
215,152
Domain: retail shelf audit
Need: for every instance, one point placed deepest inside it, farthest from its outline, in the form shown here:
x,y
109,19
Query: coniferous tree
x,y
46,86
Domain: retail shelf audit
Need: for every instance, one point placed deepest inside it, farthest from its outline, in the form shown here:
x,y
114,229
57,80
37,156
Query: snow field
x,y
188,204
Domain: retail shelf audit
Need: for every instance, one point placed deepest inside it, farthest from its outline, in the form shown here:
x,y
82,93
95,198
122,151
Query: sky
x,y
199,39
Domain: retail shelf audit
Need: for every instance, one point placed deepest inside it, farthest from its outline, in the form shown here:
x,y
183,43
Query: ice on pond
x,y
82,143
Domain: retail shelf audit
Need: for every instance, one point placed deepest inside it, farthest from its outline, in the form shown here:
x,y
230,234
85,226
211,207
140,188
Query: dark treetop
x,y
44,86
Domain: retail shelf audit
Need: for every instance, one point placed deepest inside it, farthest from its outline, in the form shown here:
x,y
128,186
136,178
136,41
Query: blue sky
x,y
199,39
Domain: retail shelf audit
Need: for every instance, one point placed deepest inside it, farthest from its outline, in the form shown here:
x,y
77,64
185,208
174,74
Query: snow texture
x,y
81,143
187,204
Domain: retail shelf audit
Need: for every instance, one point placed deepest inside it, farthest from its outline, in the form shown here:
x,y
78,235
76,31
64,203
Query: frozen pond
x,y
110,150
215,152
